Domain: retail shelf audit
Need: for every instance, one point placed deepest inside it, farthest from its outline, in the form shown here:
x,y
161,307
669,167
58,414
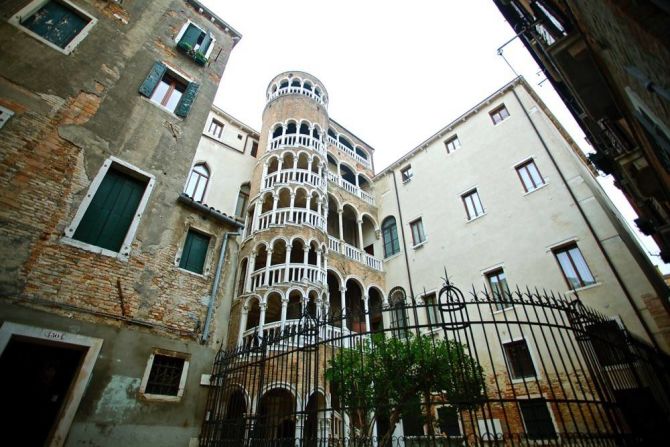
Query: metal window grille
x,y
165,375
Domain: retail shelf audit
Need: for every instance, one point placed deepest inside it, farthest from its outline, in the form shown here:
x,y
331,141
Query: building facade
x,y
109,278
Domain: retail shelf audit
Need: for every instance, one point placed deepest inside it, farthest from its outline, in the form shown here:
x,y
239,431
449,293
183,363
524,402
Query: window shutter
x,y
155,76
194,253
206,42
187,100
190,38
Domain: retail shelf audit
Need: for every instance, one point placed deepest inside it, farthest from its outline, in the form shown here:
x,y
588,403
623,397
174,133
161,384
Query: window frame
x,y
208,256
406,173
175,79
529,346
183,29
422,232
469,193
452,144
500,305
565,248
214,122
433,308
253,151
5,115
200,175
551,418
33,6
398,306
495,112
246,194
126,246
397,239
524,165
182,381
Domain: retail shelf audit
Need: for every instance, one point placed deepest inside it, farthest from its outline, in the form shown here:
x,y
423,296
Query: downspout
x,y
215,287
626,292
402,231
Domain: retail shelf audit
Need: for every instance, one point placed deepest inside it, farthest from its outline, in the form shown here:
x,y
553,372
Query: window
x,y
490,429
197,182
5,114
58,23
215,128
254,149
390,237
418,235
398,313
452,144
242,199
194,253
169,90
406,174
165,376
499,289
537,419
530,176
109,214
447,419
609,342
518,359
574,268
195,42
499,114
412,416
473,206
433,312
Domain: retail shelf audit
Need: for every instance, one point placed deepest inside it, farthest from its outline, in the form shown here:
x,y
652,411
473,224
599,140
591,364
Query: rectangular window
x,y
58,23
452,144
195,42
537,419
574,268
432,309
609,342
111,211
215,128
242,198
406,174
254,149
518,359
447,418
499,114
473,206
194,253
499,289
530,176
169,90
165,376
418,235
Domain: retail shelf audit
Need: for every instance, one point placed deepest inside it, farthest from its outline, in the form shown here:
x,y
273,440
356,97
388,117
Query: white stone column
x,y
275,200
340,211
261,319
360,233
288,263
367,313
265,174
305,260
250,270
291,207
257,212
343,305
284,306
325,269
243,324
266,273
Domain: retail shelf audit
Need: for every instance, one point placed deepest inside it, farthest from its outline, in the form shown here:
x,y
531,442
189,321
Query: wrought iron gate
x,y
526,368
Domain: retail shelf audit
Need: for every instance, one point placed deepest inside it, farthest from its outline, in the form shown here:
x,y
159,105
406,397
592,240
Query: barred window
x,y
165,375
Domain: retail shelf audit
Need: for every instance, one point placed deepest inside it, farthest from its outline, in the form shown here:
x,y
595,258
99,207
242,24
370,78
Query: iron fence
x,y
524,368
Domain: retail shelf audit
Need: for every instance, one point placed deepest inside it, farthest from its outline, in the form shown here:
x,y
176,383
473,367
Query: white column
x,y
339,217
367,313
243,323
360,233
284,306
261,319
287,262
275,200
257,213
305,260
320,174
325,268
343,305
250,270
266,274
292,211
265,174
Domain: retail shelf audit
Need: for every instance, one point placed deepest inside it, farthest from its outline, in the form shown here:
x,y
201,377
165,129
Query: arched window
x,y
197,182
390,236
398,312
242,199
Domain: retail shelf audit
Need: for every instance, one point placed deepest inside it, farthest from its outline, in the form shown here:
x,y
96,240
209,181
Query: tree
x,y
385,373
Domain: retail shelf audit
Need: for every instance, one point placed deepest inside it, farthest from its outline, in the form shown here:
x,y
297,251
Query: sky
x,y
395,71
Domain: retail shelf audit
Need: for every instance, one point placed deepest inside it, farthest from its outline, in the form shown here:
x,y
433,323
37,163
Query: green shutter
x,y
57,23
194,253
189,38
205,43
155,76
187,100
111,211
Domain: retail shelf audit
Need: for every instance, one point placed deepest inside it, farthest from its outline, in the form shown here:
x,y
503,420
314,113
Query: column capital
x,y
343,289
359,221
340,211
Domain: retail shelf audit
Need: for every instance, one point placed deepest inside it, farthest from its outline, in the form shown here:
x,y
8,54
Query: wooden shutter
x,y
187,100
154,77
206,42
56,23
194,253
110,213
189,38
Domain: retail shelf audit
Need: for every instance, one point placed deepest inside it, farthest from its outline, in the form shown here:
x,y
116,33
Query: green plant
x,y
200,58
388,372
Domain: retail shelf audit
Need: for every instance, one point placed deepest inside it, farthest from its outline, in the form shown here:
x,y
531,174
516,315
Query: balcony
x,y
296,140
350,187
285,273
350,152
288,333
302,176
297,90
295,216
354,253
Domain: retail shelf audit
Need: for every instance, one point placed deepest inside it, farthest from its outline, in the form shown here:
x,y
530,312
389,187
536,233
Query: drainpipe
x,y
215,287
402,231
626,292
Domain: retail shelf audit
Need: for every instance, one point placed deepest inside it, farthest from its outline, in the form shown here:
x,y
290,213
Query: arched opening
x,y
316,133
295,82
267,202
353,299
197,182
317,92
242,277
312,304
333,219
291,128
363,183
303,161
253,315
273,309
361,152
314,201
278,252
304,128
332,165
297,252
261,258
311,256
369,235
233,422
347,174
375,306
284,198
278,131
300,198
275,418
288,161
307,86
242,199
345,142
334,298
314,429
284,83
349,225
273,165
398,312
332,134
294,307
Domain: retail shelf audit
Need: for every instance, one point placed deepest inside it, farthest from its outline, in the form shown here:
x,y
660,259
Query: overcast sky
x,y
395,71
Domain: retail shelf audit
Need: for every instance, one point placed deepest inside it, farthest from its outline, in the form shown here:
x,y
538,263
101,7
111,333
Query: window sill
x,y
580,289
530,379
161,397
476,217
536,189
199,275
164,109
404,182
95,249
420,244
394,255
502,311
